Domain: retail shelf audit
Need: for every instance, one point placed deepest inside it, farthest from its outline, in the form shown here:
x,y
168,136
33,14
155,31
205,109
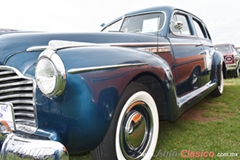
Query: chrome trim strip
x,y
26,114
9,78
186,98
20,102
16,89
21,107
6,72
23,125
16,96
142,44
22,120
89,69
17,148
61,44
135,44
69,44
16,83
186,44
36,48
157,49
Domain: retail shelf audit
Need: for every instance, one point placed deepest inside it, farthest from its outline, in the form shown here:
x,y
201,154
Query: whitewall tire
x,y
133,132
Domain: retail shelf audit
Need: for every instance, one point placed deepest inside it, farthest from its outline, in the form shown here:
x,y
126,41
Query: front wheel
x,y
133,132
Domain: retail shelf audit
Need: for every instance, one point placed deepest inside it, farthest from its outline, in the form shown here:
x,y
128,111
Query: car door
x,y
206,42
188,69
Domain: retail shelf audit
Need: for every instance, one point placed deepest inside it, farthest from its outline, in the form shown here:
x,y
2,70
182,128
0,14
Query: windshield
x,y
223,49
138,24
143,23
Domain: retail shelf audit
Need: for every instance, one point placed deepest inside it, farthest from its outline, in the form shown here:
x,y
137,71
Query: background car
x,y
231,57
69,93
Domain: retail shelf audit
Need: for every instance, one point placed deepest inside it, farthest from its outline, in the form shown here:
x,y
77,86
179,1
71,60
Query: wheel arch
x,y
224,68
155,85
218,61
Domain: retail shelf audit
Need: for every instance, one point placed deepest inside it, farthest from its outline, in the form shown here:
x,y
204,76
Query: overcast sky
x,y
222,17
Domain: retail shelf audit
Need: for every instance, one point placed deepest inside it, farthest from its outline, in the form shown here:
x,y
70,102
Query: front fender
x,y
82,114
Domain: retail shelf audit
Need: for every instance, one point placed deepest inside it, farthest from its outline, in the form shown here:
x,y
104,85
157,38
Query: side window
x,y
185,29
199,29
208,35
113,27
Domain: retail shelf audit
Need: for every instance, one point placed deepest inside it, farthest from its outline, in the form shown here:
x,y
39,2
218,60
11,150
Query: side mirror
x,y
178,25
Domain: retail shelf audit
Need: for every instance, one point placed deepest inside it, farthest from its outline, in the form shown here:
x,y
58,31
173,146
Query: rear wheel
x,y
133,132
219,90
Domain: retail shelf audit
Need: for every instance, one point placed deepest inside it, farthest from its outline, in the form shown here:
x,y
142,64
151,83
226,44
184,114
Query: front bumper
x,y
19,148
231,67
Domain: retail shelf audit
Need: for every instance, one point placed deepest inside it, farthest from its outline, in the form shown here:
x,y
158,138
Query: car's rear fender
x,y
217,65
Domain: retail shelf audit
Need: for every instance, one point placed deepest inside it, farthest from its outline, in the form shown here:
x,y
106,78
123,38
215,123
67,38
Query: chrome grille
x,y
18,90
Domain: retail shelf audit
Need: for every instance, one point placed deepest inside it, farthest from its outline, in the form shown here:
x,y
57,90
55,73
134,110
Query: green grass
x,y
211,126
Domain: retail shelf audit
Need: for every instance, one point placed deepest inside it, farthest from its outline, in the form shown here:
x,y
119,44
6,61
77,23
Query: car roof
x,y
166,8
152,9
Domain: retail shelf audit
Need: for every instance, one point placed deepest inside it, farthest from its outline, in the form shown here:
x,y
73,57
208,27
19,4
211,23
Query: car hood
x,y
17,43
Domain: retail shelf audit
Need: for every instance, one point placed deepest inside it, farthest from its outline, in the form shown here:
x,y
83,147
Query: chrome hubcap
x,y
136,131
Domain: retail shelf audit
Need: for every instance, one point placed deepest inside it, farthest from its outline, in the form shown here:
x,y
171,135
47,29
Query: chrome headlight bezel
x,y
56,78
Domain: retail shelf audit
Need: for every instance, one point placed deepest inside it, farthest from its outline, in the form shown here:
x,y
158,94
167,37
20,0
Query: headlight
x,y
50,73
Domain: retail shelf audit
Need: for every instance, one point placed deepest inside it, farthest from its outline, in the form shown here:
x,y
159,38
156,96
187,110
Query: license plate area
x,y
6,114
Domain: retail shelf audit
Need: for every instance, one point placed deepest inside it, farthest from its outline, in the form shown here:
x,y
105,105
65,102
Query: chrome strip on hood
x,y
88,69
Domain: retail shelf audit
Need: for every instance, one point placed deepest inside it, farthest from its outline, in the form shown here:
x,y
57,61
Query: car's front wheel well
x,y
156,88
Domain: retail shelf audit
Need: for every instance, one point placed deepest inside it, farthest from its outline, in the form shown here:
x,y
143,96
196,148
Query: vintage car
x,y
237,47
67,93
231,57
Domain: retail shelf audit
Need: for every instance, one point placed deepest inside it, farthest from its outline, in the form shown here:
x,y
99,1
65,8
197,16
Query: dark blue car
x,y
68,93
